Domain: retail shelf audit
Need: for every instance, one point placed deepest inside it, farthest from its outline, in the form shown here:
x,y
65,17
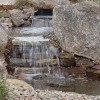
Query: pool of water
x,y
82,86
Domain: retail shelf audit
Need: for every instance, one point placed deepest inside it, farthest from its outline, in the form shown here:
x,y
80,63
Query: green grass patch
x,y
3,91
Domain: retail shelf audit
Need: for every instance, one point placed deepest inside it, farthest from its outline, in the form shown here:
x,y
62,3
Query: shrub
x,y
20,4
3,91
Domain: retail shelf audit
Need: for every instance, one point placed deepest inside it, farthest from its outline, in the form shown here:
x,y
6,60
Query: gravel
x,y
20,90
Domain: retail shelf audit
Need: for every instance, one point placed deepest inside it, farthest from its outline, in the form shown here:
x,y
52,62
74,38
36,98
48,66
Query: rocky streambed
x,y
69,77
19,90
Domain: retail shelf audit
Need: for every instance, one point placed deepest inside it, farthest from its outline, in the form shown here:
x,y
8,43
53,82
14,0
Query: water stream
x,y
36,60
32,50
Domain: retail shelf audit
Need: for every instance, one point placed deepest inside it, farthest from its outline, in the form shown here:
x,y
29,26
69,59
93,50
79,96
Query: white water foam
x,y
35,30
31,39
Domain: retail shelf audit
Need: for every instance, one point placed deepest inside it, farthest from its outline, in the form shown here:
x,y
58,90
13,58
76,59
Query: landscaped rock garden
x,y
16,17
75,46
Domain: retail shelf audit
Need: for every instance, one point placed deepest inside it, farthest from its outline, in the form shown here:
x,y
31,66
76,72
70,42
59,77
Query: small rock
x,y
17,21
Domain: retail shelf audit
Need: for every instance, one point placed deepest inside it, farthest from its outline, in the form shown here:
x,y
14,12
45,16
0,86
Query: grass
x,y
21,4
3,91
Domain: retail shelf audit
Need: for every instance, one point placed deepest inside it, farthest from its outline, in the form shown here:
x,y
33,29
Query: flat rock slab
x,y
77,27
93,74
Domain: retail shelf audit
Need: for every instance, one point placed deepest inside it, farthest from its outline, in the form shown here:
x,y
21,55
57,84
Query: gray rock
x,y
2,19
6,23
77,27
3,71
7,2
28,12
7,20
47,3
17,21
16,13
44,3
17,17
64,2
27,24
3,38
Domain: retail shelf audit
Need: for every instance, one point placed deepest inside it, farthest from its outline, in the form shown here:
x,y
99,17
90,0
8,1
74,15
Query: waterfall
x,y
34,53
41,21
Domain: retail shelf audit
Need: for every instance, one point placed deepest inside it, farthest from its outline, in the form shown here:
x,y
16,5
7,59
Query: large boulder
x,y
3,43
7,2
17,17
28,13
17,21
3,71
3,39
77,27
46,4
16,13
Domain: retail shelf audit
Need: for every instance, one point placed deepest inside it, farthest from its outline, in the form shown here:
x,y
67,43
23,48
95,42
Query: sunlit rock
x,y
47,4
20,17
3,72
19,89
3,38
7,2
77,27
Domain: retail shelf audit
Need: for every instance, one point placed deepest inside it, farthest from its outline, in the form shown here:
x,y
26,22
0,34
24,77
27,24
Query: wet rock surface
x,y
77,28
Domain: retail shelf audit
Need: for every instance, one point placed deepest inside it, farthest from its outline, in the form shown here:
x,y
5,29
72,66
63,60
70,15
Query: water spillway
x,y
29,49
35,58
33,55
44,12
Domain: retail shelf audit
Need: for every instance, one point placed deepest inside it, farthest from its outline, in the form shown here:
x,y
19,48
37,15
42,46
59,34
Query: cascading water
x,y
34,55
36,60
41,21
29,49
